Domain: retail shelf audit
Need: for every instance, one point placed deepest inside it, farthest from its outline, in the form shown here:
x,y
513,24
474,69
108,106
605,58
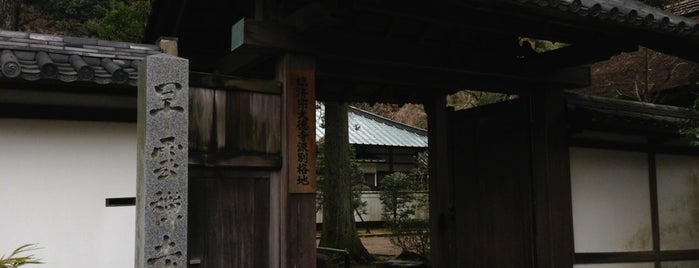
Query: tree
x,y
339,228
69,17
358,205
125,22
121,20
9,13
409,113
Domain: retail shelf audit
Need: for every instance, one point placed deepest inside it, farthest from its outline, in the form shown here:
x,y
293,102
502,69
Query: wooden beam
x,y
472,17
636,256
67,99
635,147
218,81
253,40
33,111
425,77
270,162
579,54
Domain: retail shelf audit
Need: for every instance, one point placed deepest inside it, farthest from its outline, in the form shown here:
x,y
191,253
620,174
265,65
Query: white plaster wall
x,y
611,201
54,178
374,207
678,202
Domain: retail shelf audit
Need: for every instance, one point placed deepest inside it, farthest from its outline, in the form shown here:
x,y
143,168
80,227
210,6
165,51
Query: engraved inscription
x,y
166,253
167,207
165,155
302,150
162,174
167,93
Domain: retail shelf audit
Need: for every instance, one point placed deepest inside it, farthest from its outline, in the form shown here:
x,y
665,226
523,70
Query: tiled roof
x,y
33,56
366,128
630,13
624,113
684,7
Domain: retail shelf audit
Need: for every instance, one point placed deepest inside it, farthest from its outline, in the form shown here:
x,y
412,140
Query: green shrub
x,y
400,203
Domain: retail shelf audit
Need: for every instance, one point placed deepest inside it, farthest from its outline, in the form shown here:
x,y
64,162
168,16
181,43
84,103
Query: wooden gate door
x,y
492,218
229,221
234,162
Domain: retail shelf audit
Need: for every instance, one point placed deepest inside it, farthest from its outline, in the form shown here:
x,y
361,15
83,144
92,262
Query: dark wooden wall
x,y
235,158
242,145
500,185
492,211
227,125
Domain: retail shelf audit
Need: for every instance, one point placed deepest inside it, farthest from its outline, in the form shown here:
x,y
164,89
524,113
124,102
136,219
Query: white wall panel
x,y
611,200
54,178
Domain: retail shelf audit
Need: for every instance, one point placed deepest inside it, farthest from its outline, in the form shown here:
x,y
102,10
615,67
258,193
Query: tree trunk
x,y
8,14
339,228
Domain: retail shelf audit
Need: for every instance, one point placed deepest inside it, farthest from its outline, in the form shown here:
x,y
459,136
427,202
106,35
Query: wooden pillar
x,y
168,45
551,179
441,207
298,175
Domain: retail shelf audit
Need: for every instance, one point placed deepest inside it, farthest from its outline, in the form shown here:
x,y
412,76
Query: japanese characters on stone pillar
x,y
161,206
301,131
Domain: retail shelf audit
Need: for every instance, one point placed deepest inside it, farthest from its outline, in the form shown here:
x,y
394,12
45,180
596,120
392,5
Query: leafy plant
x,y
691,134
16,260
411,235
421,172
400,203
397,196
690,129
126,22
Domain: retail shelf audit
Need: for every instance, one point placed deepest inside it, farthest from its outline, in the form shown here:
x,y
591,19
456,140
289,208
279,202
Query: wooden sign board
x,y
301,131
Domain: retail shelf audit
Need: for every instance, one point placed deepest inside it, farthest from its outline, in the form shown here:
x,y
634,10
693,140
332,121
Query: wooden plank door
x,y
229,221
492,217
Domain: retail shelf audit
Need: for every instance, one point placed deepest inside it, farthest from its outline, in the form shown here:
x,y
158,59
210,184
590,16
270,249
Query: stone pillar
x,y
161,202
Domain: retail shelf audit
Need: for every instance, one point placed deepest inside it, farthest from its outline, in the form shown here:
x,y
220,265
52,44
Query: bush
x,y
400,203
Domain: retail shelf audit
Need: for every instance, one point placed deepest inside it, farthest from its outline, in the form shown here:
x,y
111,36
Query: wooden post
x,y
298,175
440,180
551,179
168,45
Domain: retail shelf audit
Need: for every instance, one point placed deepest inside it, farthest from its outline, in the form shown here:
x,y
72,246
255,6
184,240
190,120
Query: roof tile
x,y
45,37
371,129
13,34
6,44
103,48
81,49
631,13
79,41
100,55
67,53
46,46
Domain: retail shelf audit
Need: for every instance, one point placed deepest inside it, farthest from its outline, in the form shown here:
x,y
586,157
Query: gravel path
x,y
380,245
